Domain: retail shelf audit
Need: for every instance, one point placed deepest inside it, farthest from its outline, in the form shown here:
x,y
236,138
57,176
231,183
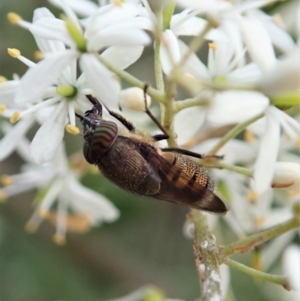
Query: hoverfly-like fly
x,y
136,163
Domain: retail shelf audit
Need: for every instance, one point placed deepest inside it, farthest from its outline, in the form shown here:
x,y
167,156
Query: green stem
x,y
233,133
238,169
158,95
207,262
190,102
254,240
277,279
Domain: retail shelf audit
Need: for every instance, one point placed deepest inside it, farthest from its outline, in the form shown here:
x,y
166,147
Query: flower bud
x,y
286,175
133,99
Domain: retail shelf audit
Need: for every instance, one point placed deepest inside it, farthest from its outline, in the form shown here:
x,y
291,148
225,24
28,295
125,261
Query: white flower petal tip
x,y
286,175
133,99
290,262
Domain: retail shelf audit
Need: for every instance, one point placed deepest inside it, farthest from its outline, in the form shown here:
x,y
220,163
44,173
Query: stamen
x,y
2,108
38,55
188,76
74,130
43,213
31,227
298,143
6,180
13,52
14,18
248,136
14,117
212,46
252,196
59,239
3,79
3,196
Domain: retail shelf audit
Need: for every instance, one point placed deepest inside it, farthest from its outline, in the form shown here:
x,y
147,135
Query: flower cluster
x,y
240,76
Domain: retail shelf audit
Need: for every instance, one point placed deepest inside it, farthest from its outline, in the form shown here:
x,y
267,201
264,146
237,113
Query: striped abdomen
x,y
98,139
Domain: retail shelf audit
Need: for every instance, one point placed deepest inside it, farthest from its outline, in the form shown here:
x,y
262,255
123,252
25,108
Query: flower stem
x,y
190,102
277,279
233,133
254,240
158,95
206,262
238,169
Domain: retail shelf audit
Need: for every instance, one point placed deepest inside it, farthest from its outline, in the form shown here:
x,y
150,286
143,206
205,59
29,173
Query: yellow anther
x,y
260,220
2,108
117,3
3,196
59,239
14,18
248,136
298,143
79,223
38,55
278,20
93,169
31,227
6,180
3,79
252,196
212,46
43,213
188,75
72,129
15,117
15,53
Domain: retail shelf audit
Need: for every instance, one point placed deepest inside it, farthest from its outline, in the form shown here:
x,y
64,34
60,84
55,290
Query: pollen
x,y
3,79
72,129
3,196
59,239
31,227
14,117
248,136
212,46
15,53
6,180
14,18
252,196
2,108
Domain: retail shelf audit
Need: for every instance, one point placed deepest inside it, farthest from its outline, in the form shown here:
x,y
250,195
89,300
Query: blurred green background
x,y
145,246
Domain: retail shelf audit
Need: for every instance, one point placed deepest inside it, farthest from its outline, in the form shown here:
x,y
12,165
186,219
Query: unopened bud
x,y
133,99
286,175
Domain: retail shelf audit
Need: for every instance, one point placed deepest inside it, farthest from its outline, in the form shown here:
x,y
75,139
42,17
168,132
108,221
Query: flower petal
x,y
44,74
265,163
49,136
169,51
122,56
236,106
10,141
100,79
259,44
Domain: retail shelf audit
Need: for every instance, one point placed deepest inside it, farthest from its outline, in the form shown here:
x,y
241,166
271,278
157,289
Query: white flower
x,y
101,32
58,185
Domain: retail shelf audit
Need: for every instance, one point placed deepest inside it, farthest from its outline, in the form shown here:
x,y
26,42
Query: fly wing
x,y
184,182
